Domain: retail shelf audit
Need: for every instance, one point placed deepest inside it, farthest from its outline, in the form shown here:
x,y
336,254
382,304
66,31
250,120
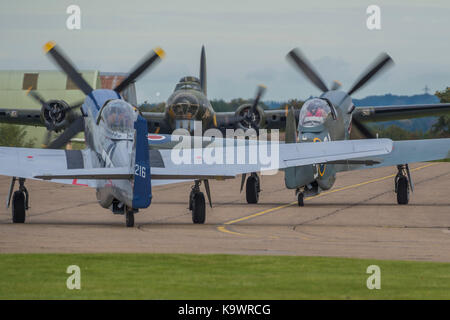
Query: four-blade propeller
x,y
298,60
381,63
69,69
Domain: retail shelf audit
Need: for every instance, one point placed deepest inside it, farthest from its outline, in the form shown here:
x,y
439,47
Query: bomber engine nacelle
x,y
57,115
246,117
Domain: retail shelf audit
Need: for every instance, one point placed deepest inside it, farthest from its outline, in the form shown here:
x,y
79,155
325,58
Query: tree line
x,y
16,136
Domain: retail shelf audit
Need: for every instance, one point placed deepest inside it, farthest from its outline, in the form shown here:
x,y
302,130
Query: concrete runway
x,y
359,217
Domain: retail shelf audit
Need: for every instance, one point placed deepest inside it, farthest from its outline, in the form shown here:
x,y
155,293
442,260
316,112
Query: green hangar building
x,y
50,85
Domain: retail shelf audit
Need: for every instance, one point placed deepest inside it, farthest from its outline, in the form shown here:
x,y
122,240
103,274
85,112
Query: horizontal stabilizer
x,y
87,174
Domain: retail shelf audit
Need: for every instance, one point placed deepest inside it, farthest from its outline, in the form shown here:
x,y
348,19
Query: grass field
x,y
176,276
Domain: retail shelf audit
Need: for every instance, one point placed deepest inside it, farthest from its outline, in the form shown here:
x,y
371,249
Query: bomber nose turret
x,y
185,106
186,110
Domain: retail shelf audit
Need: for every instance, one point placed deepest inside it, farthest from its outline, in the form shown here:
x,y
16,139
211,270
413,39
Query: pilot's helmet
x,y
313,107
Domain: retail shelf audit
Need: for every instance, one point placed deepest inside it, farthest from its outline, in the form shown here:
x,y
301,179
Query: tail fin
x,y
291,137
203,71
142,189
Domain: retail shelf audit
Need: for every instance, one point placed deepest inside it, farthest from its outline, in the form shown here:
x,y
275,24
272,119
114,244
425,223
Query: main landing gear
x,y
19,201
252,187
129,217
403,184
300,198
118,207
197,202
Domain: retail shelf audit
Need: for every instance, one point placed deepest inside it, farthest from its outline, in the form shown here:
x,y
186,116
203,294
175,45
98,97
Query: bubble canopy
x,y
119,116
314,112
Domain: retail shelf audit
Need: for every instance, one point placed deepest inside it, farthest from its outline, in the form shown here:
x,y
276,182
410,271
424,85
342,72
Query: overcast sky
x,y
246,42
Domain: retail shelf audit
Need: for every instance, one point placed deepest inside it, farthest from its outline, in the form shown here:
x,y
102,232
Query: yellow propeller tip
x,y
263,86
160,52
49,46
29,89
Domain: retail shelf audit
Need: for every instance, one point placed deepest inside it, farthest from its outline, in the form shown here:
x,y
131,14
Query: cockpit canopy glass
x,y
314,112
119,116
188,86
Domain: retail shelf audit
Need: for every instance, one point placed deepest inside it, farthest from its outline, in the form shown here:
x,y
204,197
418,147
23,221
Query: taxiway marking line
x,y
223,228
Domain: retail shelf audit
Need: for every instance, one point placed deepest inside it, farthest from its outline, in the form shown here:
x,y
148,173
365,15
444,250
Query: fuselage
x,y
326,118
110,142
187,105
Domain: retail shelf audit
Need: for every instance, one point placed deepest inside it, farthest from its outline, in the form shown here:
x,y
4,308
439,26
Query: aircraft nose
x,y
185,106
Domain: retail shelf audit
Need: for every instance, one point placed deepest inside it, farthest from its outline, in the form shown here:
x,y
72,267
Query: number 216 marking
x,y
139,171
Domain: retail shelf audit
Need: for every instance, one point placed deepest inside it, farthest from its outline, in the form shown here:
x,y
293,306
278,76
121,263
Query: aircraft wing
x,y
273,119
276,119
403,152
400,112
70,166
29,163
284,156
157,122
226,120
30,117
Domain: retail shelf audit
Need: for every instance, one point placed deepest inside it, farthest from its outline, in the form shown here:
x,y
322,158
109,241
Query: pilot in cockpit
x,y
315,110
119,116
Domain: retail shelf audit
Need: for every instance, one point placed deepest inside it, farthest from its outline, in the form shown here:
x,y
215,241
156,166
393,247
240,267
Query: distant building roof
x,y
53,84
110,80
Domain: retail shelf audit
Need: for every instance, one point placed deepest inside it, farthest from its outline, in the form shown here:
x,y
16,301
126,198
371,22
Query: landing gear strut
x,y
19,200
403,184
300,198
253,188
197,203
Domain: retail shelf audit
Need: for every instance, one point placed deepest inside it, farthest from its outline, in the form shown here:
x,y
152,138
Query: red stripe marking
x,y
75,182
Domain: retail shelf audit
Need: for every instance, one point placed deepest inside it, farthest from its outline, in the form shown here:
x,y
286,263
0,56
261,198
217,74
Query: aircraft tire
x,y
300,199
251,190
402,191
129,219
191,200
18,207
198,208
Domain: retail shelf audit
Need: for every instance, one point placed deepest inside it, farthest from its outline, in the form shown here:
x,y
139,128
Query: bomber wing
x,y
30,117
157,122
273,119
400,112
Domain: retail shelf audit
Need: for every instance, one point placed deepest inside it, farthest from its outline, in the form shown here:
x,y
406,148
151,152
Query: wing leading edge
x,y
63,167
400,112
403,152
346,155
